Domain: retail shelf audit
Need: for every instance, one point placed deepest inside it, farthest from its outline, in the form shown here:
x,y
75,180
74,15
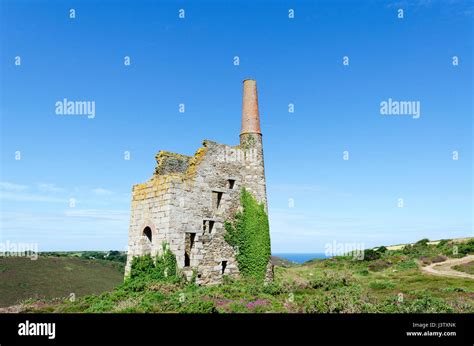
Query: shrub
x,y
408,249
198,306
379,265
329,280
272,289
371,255
423,303
466,248
454,289
341,300
165,265
438,259
238,307
425,260
427,303
404,265
144,269
249,234
422,242
135,284
381,284
420,248
442,243
331,262
141,266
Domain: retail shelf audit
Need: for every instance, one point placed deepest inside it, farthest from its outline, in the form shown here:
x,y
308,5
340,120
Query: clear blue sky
x,y
190,61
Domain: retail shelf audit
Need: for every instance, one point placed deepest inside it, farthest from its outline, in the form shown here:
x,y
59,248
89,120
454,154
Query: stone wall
x,y
190,198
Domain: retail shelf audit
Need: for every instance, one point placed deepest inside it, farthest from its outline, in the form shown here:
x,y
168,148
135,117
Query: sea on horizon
x,y
300,257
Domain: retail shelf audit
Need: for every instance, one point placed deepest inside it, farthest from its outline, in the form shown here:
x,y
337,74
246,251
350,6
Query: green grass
x,y
387,282
381,284
54,277
466,267
323,286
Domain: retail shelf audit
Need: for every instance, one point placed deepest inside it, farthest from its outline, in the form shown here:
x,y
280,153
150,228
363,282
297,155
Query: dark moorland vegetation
x,y
50,277
112,255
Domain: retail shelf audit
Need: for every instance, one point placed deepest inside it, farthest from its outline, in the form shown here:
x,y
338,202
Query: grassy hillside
x,y
282,262
51,277
384,281
466,268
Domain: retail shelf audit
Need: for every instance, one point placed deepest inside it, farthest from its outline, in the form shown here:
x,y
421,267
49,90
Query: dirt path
x,y
445,268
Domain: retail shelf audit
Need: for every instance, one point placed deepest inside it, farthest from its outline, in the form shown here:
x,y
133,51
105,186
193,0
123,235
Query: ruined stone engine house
x,y
187,200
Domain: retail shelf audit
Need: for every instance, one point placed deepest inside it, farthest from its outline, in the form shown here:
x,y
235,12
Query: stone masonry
x,y
186,201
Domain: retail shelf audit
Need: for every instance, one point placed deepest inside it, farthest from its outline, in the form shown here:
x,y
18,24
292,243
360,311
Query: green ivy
x,y
169,263
249,235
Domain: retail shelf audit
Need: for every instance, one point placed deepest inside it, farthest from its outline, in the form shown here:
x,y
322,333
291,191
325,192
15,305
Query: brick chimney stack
x,y
251,141
250,116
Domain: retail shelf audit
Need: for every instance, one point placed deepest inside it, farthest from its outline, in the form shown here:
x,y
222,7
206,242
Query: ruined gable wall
x,y
150,207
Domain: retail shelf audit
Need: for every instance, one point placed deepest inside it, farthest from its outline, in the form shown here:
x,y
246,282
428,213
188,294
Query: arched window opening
x,y
147,233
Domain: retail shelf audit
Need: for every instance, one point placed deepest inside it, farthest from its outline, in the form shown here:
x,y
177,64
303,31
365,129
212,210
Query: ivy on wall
x,y
249,234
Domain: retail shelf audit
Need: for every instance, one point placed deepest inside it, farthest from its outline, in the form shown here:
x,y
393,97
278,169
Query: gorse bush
x,y
249,235
422,242
466,248
421,248
370,255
